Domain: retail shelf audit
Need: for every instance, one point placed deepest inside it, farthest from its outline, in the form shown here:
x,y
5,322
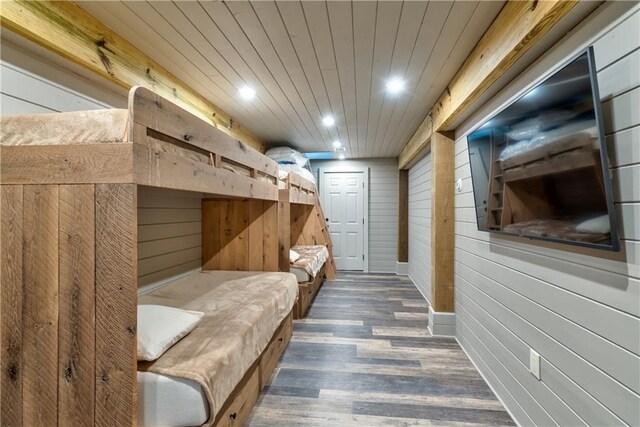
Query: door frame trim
x,y
365,201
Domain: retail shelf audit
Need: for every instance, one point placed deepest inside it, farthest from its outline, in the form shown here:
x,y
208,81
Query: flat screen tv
x,y
540,168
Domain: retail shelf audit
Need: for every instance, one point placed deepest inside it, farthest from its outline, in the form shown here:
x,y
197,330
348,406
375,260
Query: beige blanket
x,y
241,316
312,258
78,127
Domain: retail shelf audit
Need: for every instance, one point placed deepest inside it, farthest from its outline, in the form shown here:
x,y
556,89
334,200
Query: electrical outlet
x,y
534,363
459,185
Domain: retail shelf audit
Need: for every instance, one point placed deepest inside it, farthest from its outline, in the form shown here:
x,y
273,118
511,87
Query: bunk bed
x,y
303,227
300,190
242,311
567,160
69,221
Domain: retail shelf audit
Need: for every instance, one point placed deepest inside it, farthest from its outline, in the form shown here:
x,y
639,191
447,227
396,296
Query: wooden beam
x,y
66,29
416,145
442,222
403,216
516,29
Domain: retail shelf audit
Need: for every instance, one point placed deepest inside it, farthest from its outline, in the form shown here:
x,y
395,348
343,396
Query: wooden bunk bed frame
x,y
69,256
300,190
302,222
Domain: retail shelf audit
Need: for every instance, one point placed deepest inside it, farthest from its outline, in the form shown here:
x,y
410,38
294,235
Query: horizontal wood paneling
x,y
30,85
420,225
577,308
383,208
169,234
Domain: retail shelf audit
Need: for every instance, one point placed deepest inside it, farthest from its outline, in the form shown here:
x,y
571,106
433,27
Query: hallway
x,y
364,356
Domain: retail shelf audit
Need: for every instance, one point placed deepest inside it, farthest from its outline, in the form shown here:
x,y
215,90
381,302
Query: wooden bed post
x,y
284,230
68,304
116,304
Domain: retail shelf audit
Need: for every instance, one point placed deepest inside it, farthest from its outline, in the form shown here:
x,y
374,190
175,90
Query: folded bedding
x,y
312,258
242,310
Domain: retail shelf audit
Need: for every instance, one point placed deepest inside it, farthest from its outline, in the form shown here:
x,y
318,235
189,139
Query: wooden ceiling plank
x,y
232,35
273,25
364,26
177,32
68,30
434,19
406,38
123,20
194,25
457,19
317,18
387,22
342,33
213,46
247,19
518,27
479,23
295,22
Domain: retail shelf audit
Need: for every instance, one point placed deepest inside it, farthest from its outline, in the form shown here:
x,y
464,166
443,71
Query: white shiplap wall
x,y
383,208
35,80
577,308
169,235
420,225
27,85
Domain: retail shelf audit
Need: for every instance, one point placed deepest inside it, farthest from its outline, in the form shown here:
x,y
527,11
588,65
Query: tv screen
x,y
539,168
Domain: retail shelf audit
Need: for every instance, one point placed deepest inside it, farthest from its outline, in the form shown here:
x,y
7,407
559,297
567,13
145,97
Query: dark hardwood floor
x,y
364,356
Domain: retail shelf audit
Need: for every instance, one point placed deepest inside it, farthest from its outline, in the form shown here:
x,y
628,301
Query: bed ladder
x,y
496,189
325,236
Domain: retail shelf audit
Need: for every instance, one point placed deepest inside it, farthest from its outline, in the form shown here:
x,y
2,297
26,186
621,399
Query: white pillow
x,y
160,327
598,225
293,256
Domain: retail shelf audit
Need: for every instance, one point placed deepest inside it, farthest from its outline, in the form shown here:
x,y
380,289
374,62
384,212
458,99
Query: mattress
x,y
170,401
312,258
242,312
301,275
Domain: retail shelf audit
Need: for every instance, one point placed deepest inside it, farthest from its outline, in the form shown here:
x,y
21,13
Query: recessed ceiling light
x,y
395,85
328,121
342,156
247,93
337,144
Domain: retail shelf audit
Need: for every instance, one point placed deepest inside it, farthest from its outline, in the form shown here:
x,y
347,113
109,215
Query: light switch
x,y
534,363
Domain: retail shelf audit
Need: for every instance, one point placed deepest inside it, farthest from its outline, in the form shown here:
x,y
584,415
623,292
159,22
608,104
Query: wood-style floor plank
x,y
364,357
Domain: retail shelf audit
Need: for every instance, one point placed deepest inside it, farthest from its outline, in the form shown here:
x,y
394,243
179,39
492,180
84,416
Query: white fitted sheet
x,y
170,401
301,275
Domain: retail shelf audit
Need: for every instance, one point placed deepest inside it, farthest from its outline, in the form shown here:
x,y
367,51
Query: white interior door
x,y
343,201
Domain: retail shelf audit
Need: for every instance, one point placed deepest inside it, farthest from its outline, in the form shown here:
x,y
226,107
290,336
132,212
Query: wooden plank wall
x,y
303,225
577,308
240,235
68,305
442,223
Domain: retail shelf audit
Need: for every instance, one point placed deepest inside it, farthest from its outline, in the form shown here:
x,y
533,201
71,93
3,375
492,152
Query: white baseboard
x,y
442,324
402,268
